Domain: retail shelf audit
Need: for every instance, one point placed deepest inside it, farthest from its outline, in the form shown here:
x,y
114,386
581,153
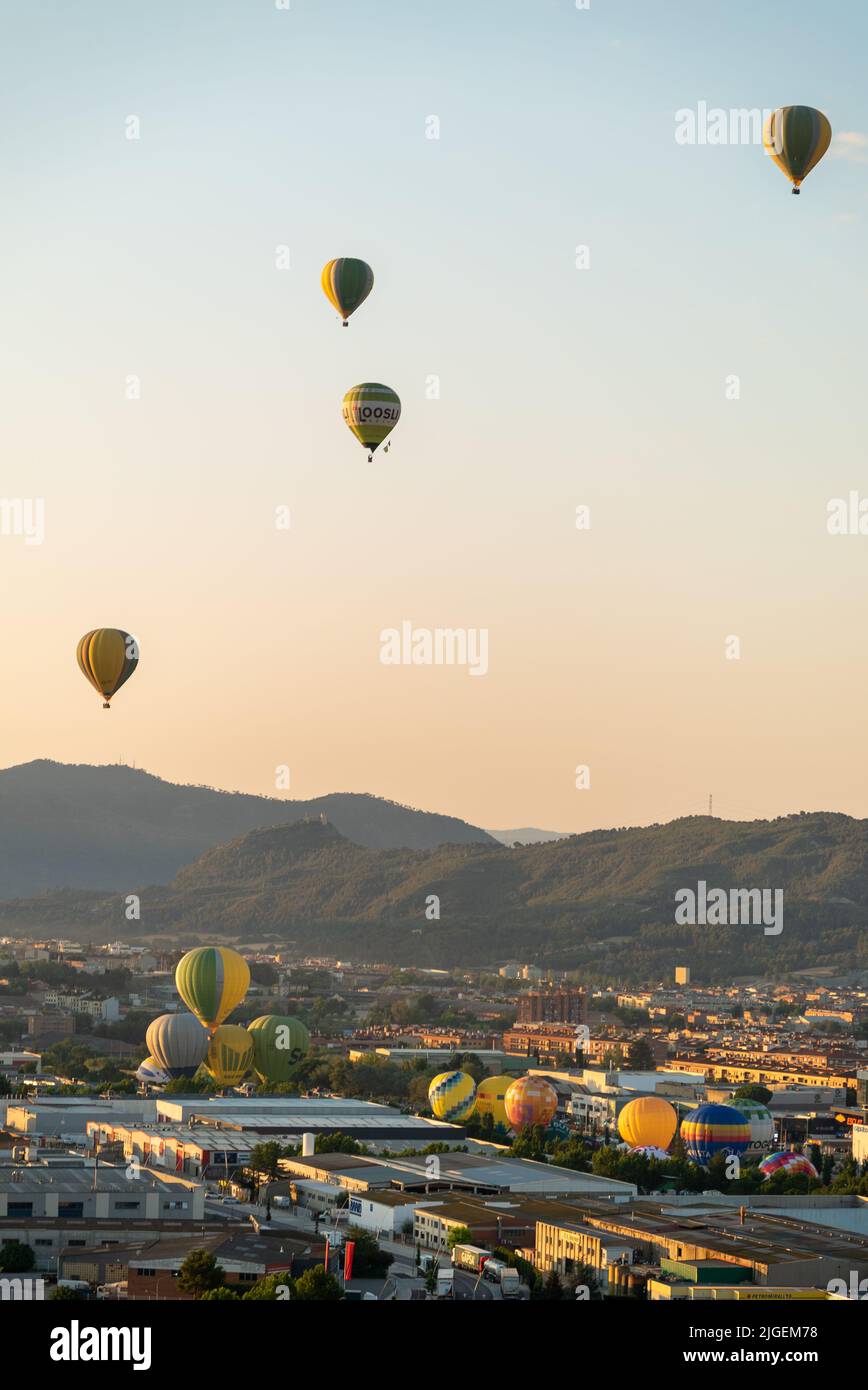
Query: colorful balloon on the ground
x,y
648,1120
714,1129
452,1096
788,1163
371,411
490,1098
650,1151
230,1054
212,981
797,137
178,1043
347,282
530,1101
279,1042
150,1073
759,1117
107,656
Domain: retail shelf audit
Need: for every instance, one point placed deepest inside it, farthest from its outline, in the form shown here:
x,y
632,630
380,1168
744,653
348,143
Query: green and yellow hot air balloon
x,y
278,1044
230,1054
347,284
212,981
107,656
797,137
371,411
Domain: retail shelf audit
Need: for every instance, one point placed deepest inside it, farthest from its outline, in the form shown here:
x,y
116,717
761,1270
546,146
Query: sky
x,y
576,309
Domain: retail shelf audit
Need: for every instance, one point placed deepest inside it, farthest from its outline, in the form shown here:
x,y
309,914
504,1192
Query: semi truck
x,y
499,1272
470,1257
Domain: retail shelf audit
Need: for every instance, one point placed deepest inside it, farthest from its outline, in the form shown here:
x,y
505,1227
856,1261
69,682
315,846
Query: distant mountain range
x,y
602,902
77,826
528,836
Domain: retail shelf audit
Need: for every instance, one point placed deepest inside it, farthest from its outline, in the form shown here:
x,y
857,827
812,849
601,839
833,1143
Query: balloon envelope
x,y
212,981
452,1096
796,138
788,1163
759,1117
279,1042
530,1101
178,1043
347,282
491,1098
371,411
648,1120
107,657
230,1054
150,1073
714,1129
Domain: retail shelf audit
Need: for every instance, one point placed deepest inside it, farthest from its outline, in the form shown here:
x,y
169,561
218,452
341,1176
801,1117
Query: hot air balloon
x,y
714,1129
371,411
347,283
651,1152
230,1054
530,1101
150,1073
178,1043
107,656
452,1096
797,137
648,1120
788,1163
278,1044
212,981
490,1094
759,1117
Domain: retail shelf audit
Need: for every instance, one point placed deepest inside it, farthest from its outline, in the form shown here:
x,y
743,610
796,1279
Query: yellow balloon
x,y
230,1054
648,1120
490,1098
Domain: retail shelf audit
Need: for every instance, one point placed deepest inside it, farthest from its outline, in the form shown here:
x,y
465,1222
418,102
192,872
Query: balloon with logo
x,y
347,282
150,1073
648,1120
452,1096
797,137
178,1044
230,1054
491,1098
107,657
714,1129
530,1101
788,1163
371,411
279,1043
212,981
759,1117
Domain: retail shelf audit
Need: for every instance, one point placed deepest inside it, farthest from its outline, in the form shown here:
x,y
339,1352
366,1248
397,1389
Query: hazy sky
x,y
308,128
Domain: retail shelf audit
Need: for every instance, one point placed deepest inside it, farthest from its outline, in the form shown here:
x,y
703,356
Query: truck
x,y
445,1281
499,1272
470,1257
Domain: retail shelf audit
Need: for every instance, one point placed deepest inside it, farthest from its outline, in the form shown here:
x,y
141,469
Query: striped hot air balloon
x,y
150,1073
759,1117
452,1096
530,1101
797,137
178,1043
107,656
648,1121
230,1054
278,1044
212,981
347,283
714,1129
788,1163
371,411
490,1098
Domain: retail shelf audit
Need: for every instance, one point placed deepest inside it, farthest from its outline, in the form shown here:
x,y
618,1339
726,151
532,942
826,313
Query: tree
x,y
753,1092
221,1294
268,1287
640,1056
431,1278
199,1273
64,1293
16,1258
369,1261
317,1285
265,1158
553,1289
459,1235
